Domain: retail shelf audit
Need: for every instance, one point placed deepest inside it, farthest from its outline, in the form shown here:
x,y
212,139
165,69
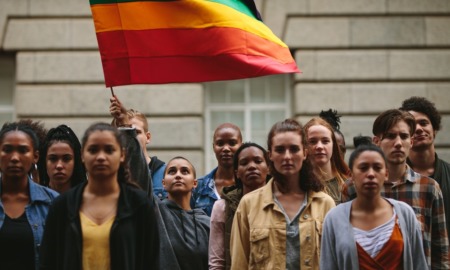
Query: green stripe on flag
x,y
237,5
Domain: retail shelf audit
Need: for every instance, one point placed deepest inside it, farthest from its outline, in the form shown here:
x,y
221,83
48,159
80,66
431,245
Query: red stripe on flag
x,y
157,70
185,42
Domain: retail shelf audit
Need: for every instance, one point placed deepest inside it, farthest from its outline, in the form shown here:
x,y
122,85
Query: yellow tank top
x,y
96,249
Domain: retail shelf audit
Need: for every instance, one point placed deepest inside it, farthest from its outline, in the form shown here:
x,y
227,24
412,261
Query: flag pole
x,y
112,91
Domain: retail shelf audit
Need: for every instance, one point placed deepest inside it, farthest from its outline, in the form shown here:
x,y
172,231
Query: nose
x,y
226,148
251,166
59,164
418,128
287,154
398,141
319,145
371,173
15,156
101,155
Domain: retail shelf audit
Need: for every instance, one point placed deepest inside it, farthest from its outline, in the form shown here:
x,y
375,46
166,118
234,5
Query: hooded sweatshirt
x,y
184,236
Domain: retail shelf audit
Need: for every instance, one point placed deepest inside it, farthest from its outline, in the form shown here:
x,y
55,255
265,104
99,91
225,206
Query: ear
x,y
305,153
195,183
164,184
376,140
122,155
269,153
149,136
36,156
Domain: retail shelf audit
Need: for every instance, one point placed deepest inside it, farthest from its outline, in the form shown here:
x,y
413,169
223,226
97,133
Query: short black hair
x,y
423,105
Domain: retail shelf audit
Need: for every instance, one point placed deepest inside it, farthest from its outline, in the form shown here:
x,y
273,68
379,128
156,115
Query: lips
x,y
253,175
226,156
14,169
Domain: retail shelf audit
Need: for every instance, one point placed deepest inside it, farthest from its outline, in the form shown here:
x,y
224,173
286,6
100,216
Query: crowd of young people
x,y
105,203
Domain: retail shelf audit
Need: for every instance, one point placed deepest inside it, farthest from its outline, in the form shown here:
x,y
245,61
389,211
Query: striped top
x,y
372,241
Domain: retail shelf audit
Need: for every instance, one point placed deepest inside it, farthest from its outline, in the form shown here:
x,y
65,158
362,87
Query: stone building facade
x,y
357,56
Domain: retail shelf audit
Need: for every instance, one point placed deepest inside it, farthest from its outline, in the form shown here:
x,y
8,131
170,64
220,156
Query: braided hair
x,y
64,134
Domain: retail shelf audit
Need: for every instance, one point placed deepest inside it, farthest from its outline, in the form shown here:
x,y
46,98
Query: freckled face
x,y
320,145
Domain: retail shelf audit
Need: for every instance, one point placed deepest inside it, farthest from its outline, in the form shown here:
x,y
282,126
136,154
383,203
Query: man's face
x,y
396,143
424,136
142,136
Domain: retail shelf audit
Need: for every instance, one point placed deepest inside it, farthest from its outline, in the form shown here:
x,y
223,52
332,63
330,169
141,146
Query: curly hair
x,y
64,134
423,105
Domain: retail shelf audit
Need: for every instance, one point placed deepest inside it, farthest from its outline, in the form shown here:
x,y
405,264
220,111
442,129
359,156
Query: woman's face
x,y
102,154
179,177
287,153
60,163
369,173
252,168
320,145
226,142
17,155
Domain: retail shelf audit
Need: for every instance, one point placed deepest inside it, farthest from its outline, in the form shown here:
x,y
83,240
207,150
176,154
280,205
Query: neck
x,y
224,173
324,172
103,187
290,185
59,187
183,200
367,204
246,189
396,171
423,159
14,185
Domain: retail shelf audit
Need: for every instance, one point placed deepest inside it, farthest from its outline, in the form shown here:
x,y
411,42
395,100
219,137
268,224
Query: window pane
x,y
257,90
277,89
276,116
236,92
220,117
217,93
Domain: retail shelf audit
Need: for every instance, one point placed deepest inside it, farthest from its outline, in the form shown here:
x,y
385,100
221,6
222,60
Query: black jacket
x,y
134,241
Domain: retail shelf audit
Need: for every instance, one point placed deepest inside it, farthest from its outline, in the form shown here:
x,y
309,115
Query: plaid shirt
x,y
424,195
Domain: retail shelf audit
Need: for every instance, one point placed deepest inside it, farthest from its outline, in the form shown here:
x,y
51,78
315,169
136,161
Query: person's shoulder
x,y
322,197
339,211
402,208
209,176
134,192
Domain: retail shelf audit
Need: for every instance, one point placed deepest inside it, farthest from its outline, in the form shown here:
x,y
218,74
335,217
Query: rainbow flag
x,y
151,42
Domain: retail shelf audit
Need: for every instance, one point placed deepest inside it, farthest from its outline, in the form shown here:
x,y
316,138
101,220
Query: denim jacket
x,y
204,196
40,200
157,177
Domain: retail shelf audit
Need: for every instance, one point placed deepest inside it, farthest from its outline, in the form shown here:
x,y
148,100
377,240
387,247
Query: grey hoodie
x,y
184,236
